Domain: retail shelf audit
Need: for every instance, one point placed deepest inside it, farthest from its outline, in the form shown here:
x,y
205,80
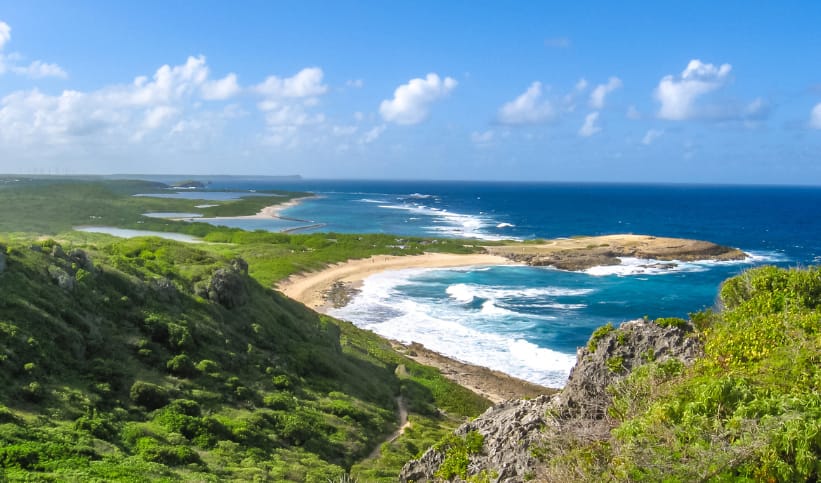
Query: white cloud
x,y
158,116
581,85
35,70
306,83
344,130
815,117
39,70
602,90
678,95
373,134
5,33
482,138
355,83
651,136
589,127
219,90
632,113
411,102
528,108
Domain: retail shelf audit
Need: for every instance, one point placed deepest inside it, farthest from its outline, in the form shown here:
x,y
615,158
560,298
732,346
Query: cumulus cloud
x,y
602,90
168,102
815,117
221,89
35,70
678,95
589,127
306,83
355,83
632,113
651,136
5,34
528,108
412,101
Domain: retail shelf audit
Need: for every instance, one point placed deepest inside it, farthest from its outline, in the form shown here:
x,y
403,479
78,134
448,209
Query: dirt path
x,y
403,425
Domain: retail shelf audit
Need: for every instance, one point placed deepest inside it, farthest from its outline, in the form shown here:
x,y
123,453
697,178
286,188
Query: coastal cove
x,y
472,321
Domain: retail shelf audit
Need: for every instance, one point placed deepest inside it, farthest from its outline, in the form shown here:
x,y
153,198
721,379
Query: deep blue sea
x,y
529,321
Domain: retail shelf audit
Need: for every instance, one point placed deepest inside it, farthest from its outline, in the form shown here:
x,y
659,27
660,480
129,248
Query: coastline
x,y
272,211
312,289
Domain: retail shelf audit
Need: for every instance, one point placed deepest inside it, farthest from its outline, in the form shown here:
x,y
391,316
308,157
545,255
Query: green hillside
x,y
148,358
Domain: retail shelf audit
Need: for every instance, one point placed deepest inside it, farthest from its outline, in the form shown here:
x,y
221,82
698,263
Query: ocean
x,y
527,321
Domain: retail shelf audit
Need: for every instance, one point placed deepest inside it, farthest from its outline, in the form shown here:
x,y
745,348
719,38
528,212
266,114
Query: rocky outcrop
x,y
581,253
514,429
227,285
2,259
612,354
510,429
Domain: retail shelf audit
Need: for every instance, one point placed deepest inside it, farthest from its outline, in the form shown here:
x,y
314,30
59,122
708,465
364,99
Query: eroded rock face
x,y
634,343
509,428
513,429
227,286
2,259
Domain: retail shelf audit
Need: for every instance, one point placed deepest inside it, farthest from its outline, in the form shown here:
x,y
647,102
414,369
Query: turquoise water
x,y
529,321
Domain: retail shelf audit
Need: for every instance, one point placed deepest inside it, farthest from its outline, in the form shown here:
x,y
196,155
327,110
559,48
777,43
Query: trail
x,y
403,425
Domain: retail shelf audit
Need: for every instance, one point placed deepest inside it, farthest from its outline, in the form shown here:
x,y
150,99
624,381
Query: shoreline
x,y
272,211
312,289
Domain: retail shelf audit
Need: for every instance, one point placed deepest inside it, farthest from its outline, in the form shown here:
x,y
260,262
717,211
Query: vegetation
x,y
749,410
125,360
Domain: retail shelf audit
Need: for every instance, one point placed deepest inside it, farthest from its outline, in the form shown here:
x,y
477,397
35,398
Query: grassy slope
x,y
749,410
134,373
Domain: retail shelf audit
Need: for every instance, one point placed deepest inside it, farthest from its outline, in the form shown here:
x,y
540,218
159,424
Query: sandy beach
x,y
309,288
272,211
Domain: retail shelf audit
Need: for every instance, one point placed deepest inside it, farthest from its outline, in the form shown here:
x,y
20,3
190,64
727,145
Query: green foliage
x,y
151,396
676,322
749,410
598,335
457,454
113,391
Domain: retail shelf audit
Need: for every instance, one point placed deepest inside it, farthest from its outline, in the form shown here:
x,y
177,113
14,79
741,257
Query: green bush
x,y
150,396
181,366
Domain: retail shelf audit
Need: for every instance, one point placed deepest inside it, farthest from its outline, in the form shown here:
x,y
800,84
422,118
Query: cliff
x,y
515,431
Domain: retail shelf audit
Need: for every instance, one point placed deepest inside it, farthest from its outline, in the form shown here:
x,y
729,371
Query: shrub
x,y
598,335
181,366
150,396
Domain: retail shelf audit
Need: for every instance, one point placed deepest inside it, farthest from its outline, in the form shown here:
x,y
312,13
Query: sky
x,y
681,92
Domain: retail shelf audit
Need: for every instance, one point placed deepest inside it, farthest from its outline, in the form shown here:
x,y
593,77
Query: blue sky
x,y
709,92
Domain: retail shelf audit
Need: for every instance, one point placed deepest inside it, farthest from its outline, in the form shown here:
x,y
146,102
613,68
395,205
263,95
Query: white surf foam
x,y
451,224
505,225
647,266
445,328
465,292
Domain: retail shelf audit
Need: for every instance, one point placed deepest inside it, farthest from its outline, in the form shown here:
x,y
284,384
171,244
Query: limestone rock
x,y
63,279
513,429
227,285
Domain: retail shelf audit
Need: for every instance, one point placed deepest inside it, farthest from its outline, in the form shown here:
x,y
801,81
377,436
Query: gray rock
x,y
57,251
2,259
634,343
227,285
63,279
513,429
81,258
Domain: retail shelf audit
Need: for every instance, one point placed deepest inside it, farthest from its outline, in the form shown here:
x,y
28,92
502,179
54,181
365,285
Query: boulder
x,y
227,285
